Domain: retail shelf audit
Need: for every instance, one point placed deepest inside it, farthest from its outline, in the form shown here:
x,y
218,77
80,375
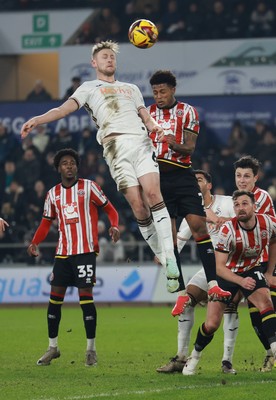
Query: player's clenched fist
x,y
32,250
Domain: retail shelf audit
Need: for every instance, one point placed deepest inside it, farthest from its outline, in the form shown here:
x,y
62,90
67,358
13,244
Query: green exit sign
x,y
41,41
41,23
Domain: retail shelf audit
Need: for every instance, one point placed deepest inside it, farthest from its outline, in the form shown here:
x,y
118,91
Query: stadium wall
x,y
115,284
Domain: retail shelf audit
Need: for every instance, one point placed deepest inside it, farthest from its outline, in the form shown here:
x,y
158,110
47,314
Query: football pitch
x,y
132,341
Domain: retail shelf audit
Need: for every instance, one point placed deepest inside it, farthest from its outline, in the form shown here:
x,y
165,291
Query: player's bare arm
x,y
215,219
151,124
52,115
187,148
3,224
225,273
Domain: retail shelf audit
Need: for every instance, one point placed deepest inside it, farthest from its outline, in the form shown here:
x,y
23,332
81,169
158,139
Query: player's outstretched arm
x,y
52,115
3,224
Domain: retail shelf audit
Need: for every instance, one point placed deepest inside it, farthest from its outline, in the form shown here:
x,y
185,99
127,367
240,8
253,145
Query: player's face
x,y
244,208
163,95
68,168
245,179
203,184
105,62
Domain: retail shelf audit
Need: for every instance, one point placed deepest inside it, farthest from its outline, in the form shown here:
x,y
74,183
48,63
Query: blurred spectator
x,y
194,21
9,145
172,25
49,174
130,251
39,93
266,149
41,138
28,169
76,82
89,164
150,12
85,35
262,21
36,198
9,172
6,254
237,21
237,140
14,203
87,141
101,21
62,139
106,249
215,22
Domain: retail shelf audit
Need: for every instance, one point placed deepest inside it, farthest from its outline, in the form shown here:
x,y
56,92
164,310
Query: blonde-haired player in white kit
x,y
119,112
218,209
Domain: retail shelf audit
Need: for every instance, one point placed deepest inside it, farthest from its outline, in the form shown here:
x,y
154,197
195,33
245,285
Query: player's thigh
x,y
197,224
62,275
261,299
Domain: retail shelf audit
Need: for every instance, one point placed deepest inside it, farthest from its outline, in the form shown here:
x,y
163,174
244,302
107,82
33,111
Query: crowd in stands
x,y
27,172
175,19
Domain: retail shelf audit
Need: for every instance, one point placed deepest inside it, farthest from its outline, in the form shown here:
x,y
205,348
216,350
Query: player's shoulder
x,y
258,192
224,203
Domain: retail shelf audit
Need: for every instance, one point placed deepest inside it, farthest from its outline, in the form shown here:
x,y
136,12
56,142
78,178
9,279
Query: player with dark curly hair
x,y
74,204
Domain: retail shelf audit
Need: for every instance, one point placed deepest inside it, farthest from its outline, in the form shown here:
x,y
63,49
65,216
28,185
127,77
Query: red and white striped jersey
x,y
264,205
245,246
263,202
175,120
76,209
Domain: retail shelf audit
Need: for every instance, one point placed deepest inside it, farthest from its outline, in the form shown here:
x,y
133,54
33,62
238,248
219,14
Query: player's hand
x,y
271,280
114,233
32,250
159,131
170,139
3,224
28,127
248,283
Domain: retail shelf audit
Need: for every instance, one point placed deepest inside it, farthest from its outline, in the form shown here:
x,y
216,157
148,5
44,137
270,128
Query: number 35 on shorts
x,y
85,271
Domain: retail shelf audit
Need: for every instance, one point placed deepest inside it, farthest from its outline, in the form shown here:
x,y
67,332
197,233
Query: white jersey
x,y
114,107
222,206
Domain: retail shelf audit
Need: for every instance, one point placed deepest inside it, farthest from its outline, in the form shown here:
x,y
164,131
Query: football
x,y
143,34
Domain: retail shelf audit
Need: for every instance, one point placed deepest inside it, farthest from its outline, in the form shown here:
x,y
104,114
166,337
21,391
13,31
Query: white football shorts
x,y
129,157
199,280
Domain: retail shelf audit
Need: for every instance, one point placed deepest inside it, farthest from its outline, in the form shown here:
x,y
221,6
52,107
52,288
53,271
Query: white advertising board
x,y
245,66
160,294
114,284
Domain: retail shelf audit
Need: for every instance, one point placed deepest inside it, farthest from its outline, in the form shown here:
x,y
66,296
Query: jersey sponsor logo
x,y
252,251
70,212
264,234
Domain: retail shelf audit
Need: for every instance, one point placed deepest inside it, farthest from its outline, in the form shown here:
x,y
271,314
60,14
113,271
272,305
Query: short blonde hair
x,y
107,44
